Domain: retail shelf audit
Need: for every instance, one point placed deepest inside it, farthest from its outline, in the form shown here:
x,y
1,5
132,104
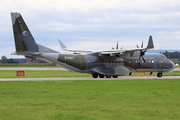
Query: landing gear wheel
x,y
115,76
108,76
101,76
94,75
159,75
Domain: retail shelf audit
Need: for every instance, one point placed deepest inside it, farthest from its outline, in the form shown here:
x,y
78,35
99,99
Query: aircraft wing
x,y
75,51
111,52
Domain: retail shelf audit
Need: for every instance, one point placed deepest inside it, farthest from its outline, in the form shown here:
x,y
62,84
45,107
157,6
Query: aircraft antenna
x,y
36,32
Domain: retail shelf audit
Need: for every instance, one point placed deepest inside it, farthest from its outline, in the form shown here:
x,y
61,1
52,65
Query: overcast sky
x,y
93,24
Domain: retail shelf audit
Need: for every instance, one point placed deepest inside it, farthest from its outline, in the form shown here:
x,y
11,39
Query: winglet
x,y
62,45
150,42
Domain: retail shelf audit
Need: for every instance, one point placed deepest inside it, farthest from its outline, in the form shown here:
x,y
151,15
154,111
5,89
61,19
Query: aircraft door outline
x,y
83,62
157,63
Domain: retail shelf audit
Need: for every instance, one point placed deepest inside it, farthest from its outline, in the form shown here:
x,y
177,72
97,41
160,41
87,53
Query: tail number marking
x,y
68,58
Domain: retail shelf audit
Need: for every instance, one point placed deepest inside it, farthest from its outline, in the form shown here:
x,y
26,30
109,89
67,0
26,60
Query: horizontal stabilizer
x,y
62,45
75,51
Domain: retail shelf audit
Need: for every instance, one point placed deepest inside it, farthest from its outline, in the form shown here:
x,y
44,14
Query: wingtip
x,y
150,42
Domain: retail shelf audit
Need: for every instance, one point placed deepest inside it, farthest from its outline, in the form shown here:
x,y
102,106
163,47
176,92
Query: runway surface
x,y
90,78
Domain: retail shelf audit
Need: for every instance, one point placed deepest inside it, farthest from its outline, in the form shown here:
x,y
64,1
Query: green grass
x,y
41,74
50,73
90,100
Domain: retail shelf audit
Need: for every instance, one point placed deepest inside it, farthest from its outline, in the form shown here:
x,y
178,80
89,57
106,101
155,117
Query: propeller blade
x,y
139,60
143,59
117,46
142,45
137,46
141,53
122,47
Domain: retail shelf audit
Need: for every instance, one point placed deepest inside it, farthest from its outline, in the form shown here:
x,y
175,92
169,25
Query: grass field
x,y
90,100
41,74
49,73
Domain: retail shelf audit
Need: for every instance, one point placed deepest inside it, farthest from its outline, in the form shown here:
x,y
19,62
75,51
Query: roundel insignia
x,y
25,33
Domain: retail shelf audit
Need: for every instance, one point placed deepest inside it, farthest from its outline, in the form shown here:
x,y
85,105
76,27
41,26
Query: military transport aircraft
x,y
107,63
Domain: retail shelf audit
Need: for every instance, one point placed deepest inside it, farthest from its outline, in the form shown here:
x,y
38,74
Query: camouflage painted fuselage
x,y
108,65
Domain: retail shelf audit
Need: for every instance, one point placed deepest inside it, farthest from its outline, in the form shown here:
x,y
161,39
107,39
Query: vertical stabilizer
x,y
24,41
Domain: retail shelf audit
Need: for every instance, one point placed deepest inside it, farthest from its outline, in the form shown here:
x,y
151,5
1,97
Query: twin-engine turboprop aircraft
x,y
107,63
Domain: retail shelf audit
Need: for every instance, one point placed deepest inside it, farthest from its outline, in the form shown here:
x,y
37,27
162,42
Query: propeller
x,y
142,53
117,46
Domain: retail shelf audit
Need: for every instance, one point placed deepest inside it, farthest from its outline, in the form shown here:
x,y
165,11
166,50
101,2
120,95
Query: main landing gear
x,y
159,75
95,75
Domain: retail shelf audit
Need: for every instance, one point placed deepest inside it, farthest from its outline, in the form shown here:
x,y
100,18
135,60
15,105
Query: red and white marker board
x,y
20,73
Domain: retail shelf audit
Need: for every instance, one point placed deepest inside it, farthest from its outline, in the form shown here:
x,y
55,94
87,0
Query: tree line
x,y
171,55
4,59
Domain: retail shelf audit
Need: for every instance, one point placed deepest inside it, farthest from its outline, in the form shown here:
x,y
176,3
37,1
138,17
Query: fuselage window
x,y
122,61
106,61
102,61
125,61
129,61
99,62
161,61
116,61
119,61
112,61
89,62
136,61
109,61
92,61
95,61
149,61
152,61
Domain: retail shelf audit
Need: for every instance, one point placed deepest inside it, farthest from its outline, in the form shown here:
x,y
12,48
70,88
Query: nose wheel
x,y
159,75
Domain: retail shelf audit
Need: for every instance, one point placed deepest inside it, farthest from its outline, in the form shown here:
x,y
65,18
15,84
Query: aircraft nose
x,y
173,65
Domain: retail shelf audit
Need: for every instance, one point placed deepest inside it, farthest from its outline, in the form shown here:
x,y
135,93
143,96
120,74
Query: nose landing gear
x,y
159,75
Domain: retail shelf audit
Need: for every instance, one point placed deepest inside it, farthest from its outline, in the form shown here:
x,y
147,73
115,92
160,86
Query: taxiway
x,y
90,78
